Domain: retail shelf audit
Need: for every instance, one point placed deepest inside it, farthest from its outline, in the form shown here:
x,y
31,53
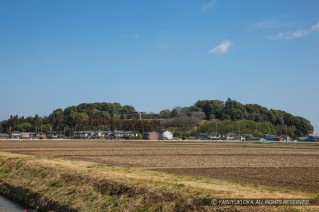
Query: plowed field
x,y
290,166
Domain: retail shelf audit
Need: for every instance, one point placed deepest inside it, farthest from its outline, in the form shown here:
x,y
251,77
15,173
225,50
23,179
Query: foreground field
x,y
292,166
190,170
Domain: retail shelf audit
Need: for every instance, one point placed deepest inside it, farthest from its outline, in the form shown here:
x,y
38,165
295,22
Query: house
x,y
231,136
211,136
75,135
4,136
27,135
108,134
15,135
255,138
248,137
216,136
130,135
151,135
41,135
302,138
166,135
52,134
118,134
83,134
204,136
100,134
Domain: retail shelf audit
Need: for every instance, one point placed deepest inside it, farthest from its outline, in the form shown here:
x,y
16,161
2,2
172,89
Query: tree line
x,y
253,118
200,117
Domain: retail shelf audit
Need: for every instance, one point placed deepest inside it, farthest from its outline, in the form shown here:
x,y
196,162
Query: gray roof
x,y
4,134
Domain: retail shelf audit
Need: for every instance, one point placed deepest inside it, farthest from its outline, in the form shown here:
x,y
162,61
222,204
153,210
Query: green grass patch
x,y
112,200
90,166
19,164
44,173
272,189
180,185
207,200
55,183
4,172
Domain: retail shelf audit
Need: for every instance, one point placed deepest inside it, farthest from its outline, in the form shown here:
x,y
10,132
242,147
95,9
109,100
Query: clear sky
x,y
156,55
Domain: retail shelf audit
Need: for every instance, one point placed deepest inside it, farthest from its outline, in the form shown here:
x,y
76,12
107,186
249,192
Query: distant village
x,y
153,135
106,135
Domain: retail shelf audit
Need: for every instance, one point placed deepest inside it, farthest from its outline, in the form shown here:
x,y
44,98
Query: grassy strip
x,y
38,185
64,185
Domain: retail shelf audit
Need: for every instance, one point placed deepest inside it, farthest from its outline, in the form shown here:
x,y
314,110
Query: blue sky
x,y
158,54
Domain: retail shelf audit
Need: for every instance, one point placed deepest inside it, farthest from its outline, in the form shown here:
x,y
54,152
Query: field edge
x,y
51,183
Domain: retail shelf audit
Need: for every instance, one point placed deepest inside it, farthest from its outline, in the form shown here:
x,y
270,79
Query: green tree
x,y
128,109
211,108
233,110
56,118
25,127
46,127
165,114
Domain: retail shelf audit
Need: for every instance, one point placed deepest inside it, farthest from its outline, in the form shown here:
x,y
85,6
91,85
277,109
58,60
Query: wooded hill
x,y
203,116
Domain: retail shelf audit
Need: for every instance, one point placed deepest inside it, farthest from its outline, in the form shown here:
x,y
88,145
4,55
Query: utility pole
x,y
216,130
239,130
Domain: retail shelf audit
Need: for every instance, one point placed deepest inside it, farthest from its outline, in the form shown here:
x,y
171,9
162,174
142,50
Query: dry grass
x,y
193,162
75,183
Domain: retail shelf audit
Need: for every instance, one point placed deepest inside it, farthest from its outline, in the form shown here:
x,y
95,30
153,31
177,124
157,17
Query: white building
x,y
167,135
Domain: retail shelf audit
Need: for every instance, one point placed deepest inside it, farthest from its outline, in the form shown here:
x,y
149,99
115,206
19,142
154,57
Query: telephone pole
x,y
239,131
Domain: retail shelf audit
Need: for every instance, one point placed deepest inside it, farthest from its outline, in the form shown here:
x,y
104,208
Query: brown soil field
x,y
291,178
292,166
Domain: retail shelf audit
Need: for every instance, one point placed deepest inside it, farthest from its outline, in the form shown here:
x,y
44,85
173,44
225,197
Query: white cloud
x,y
299,33
315,27
209,5
221,48
295,34
289,35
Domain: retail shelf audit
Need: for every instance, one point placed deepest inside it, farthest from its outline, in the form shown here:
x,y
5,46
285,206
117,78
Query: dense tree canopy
x,y
254,119
233,110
